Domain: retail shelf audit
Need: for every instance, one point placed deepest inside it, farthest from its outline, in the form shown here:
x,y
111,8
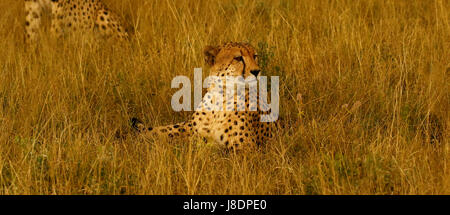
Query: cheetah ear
x,y
210,54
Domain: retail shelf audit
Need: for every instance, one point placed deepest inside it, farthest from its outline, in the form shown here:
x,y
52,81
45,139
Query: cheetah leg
x,y
56,27
33,11
240,142
183,129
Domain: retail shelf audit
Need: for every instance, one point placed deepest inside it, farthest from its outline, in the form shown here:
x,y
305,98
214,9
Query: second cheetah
x,y
70,16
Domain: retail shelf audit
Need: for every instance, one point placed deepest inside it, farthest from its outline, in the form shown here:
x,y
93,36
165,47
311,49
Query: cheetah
x,y
72,16
233,128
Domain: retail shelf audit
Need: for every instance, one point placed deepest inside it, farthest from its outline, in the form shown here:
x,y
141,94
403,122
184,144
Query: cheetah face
x,y
233,59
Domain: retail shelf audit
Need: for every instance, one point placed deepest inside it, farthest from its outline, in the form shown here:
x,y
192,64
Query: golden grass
x,y
365,100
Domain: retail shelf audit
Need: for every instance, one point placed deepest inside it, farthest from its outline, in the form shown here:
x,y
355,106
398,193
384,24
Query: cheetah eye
x,y
255,56
239,58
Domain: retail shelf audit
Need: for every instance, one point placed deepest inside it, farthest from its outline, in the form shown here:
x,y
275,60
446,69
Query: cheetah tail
x,y
170,131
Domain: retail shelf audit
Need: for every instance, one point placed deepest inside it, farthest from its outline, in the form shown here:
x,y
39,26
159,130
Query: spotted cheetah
x,y
72,15
228,127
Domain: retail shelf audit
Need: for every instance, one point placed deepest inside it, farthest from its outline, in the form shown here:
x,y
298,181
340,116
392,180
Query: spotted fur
x,y
72,16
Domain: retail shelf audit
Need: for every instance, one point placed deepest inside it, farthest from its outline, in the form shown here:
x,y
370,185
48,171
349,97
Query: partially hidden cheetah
x,y
72,15
235,128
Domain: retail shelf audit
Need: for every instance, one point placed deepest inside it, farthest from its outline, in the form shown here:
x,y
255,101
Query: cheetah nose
x,y
255,72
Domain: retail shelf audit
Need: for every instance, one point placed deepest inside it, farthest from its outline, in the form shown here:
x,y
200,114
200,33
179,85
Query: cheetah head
x,y
232,59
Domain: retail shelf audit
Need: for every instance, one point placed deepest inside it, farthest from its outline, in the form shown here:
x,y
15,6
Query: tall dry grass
x,y
365,100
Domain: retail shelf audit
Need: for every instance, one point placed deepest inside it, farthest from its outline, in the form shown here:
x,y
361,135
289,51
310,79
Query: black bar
x,y
232,205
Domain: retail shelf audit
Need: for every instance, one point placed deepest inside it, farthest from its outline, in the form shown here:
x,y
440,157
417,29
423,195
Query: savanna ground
x,y
365,100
